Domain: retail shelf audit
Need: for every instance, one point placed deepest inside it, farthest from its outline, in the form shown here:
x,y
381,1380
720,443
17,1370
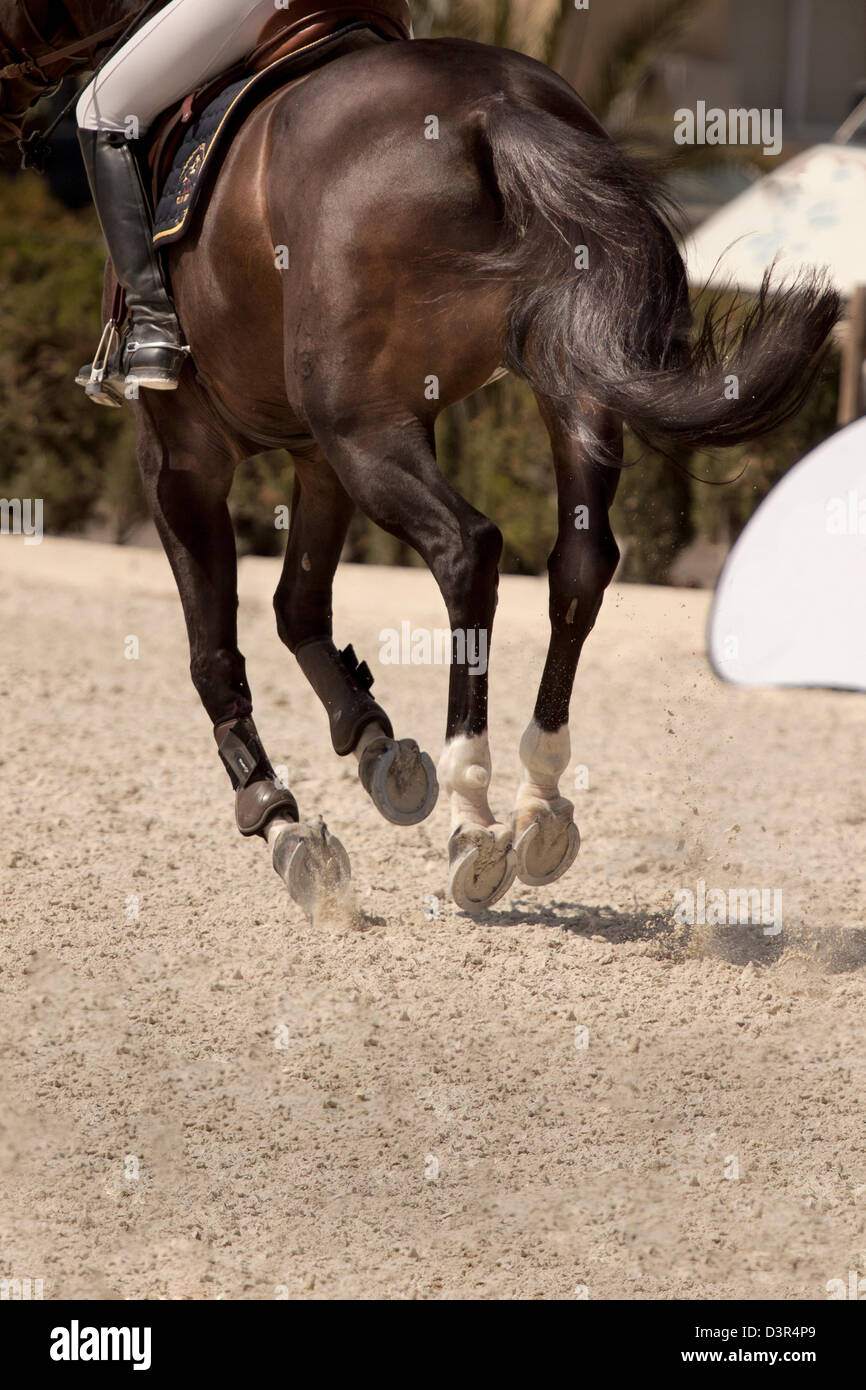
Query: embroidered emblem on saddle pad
x,y
189,174
208,134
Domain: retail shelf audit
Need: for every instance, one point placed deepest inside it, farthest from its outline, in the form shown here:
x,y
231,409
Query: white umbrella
x,y
790,605
811,211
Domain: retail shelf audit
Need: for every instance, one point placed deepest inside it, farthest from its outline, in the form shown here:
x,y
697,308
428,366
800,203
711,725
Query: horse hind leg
x,y
187,469
581,565
391,474
397,775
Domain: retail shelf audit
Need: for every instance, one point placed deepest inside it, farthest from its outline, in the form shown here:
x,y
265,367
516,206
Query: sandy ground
x,y
217,1100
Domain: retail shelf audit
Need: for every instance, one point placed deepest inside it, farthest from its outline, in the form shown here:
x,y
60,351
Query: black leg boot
x,y
154,352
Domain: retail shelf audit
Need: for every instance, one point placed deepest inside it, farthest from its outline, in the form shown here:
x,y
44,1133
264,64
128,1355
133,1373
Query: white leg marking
x,y
464,772
546,839
277,826
544,758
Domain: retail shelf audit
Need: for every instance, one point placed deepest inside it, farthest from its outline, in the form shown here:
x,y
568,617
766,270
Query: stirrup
x,y
99,389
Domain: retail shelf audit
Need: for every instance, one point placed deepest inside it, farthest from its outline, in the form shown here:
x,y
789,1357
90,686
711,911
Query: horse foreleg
x,y
391,474
580,567
398,777
187,470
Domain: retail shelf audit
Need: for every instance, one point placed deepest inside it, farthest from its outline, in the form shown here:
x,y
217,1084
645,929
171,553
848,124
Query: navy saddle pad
x,y
208,135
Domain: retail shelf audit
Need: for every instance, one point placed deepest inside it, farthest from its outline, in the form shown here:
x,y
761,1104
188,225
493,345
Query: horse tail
x,y
600,299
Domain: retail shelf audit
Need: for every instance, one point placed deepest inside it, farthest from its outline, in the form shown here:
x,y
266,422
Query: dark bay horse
x,y
382,237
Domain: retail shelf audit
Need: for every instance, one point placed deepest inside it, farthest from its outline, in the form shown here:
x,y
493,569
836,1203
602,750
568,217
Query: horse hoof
x,y
546,849
483,866
311,862
400,779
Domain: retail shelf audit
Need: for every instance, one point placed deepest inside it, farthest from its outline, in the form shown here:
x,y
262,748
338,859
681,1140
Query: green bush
x,y
56,445
494,449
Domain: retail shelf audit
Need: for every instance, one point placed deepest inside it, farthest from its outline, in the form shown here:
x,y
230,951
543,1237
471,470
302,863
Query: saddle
x,y
188,141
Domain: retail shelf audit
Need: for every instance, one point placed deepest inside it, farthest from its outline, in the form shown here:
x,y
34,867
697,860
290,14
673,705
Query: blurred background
x,y
635,62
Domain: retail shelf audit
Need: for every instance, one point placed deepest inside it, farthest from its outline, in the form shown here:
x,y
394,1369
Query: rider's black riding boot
x,y
154,352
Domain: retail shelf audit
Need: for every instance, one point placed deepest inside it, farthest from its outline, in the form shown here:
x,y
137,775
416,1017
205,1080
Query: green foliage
x,y
634,50
56,445
495,451
652,514
260,486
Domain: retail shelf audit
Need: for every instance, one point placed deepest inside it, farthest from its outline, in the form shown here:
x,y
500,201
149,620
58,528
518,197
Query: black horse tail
x,y
600,303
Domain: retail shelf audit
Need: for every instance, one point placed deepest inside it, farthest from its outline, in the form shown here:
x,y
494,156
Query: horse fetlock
x,y
482,860
342,683
464,772
544,756
531,806
257,804
258,795
546,839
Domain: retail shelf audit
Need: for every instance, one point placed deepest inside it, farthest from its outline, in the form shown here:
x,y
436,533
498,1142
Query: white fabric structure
x,y
811,211
790,605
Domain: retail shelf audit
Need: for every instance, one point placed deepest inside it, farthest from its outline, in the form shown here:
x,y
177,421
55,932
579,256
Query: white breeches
x,y
183,46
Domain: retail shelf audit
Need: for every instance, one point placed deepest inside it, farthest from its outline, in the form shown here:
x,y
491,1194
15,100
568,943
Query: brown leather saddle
x,y
302,35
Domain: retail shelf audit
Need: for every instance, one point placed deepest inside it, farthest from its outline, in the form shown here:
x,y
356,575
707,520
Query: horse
x,y
383,237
